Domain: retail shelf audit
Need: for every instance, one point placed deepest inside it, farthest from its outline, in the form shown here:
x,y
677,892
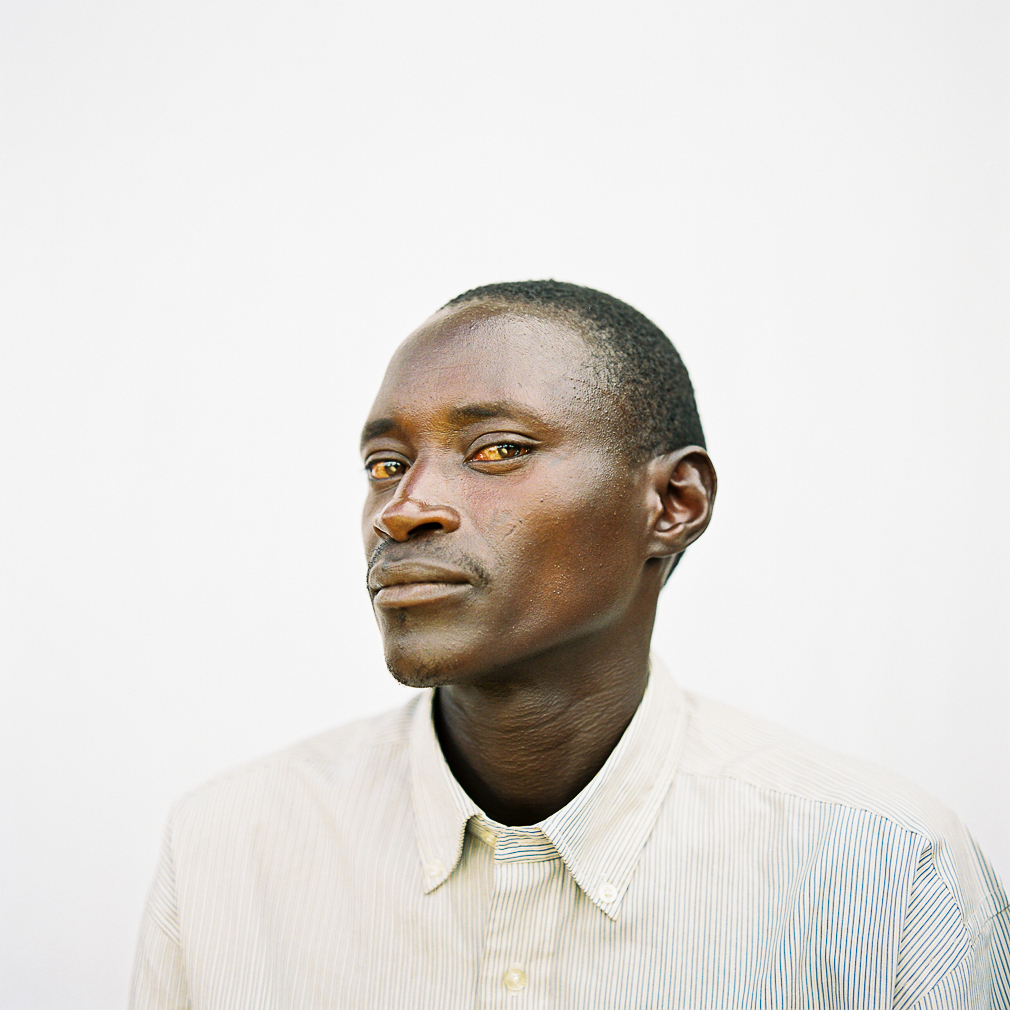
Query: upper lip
x,y
395,573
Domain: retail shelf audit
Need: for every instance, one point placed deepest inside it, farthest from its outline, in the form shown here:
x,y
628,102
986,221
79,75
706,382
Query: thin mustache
x,y
469,565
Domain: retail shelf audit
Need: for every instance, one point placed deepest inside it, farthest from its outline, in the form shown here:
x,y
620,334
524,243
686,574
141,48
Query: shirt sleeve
x,y
982,979
955,944
159,975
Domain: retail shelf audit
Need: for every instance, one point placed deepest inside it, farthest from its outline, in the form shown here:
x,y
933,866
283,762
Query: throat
x,y
522,754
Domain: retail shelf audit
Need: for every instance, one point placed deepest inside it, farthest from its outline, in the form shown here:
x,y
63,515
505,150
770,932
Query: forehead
x,y
480,354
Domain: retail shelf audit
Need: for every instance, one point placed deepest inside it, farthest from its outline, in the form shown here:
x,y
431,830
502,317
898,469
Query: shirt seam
x,y
990,902
891,819
968,954
961,922
161,929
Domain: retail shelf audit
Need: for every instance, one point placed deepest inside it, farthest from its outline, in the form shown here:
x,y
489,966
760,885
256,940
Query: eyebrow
x,y
482,411
373,429
458,417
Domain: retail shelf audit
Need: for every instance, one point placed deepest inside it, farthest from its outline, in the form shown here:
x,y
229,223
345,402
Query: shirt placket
x,y
518,963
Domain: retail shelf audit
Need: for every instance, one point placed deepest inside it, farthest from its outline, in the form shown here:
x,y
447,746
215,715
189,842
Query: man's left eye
x,y
503,450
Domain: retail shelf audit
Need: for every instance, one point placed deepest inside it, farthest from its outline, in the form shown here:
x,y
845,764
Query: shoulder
x,y
728,750
725,743
368,756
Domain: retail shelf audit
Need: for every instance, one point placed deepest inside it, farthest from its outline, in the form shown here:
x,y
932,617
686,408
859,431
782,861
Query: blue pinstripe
x,y
715,862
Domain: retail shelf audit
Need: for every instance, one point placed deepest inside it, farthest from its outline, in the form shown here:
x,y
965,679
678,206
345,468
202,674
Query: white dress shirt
x,y
715,861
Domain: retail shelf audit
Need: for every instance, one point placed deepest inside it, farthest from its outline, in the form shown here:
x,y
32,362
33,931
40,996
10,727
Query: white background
x,y
218,220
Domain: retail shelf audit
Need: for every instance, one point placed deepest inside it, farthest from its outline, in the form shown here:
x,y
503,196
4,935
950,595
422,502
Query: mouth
x,y
412,583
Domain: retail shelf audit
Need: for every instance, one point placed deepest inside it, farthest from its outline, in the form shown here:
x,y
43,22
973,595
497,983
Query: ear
x,y
682,488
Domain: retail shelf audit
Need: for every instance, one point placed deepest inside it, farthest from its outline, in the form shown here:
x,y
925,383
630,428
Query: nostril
x,y
418,531
406,519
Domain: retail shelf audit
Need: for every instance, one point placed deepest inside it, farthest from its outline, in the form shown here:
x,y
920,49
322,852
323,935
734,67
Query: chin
x,y
422,660
422,669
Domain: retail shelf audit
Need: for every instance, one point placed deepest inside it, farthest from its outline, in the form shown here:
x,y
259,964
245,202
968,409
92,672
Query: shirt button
x,y
434,868
514,979
607,892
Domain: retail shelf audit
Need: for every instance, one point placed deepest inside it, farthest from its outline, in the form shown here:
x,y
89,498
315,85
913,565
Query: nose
x,y
415,507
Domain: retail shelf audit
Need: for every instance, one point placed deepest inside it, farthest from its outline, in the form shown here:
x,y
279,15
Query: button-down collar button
x,y
484,833
514,979
607,892
434,868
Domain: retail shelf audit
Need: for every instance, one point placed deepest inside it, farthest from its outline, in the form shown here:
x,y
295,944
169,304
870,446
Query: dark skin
x,y
517,551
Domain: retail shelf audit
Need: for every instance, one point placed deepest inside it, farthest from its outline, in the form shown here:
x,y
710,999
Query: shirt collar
x,y
600,834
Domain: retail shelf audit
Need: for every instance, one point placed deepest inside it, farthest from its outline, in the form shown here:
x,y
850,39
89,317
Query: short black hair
x,y
637,360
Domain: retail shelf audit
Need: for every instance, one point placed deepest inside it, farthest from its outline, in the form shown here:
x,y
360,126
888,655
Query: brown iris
x,y
383,469
503,450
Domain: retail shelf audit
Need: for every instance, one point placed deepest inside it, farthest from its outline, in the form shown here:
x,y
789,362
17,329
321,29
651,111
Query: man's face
x,y
502,518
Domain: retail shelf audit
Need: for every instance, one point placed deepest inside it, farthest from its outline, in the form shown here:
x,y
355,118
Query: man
x,y
553,823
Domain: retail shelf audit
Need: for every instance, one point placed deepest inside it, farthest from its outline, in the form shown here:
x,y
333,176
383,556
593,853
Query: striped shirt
x,y
714,861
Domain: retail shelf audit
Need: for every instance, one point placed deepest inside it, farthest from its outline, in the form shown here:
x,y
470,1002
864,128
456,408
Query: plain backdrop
x,y
218,220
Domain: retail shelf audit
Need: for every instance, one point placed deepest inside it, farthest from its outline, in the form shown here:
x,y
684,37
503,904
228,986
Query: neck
x,y
525,741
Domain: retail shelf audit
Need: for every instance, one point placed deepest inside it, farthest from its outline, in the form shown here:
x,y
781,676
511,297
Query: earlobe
x,y
683,486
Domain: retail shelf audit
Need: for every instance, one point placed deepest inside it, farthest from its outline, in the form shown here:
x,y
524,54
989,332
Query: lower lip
x,y
413,594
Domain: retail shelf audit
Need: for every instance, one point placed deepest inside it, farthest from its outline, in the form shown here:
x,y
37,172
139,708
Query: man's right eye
x,y
384,469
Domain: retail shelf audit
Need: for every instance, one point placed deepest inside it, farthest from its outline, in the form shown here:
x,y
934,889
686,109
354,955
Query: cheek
x,y
569,553
370,511
368,534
